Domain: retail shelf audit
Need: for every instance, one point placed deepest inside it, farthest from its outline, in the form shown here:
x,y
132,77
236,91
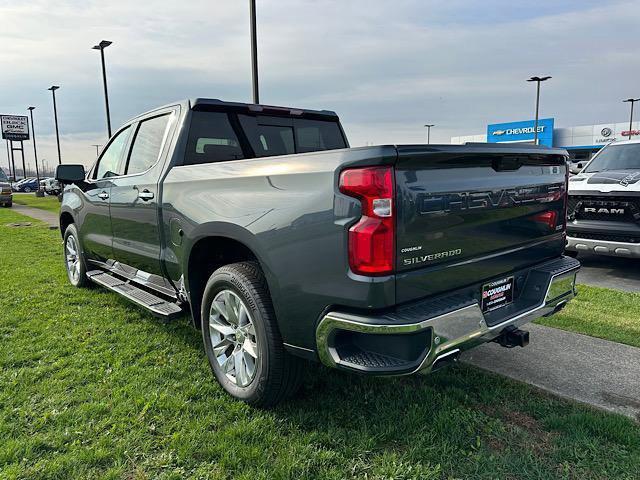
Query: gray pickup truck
x,y
285,244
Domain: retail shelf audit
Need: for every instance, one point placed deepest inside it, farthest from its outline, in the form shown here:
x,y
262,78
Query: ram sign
x,y
14,127
521,132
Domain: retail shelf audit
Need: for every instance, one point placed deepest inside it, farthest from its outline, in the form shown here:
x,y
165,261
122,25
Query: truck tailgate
x,y
470,213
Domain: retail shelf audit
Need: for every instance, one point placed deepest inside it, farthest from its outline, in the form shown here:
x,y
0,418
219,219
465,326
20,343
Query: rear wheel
x,y
242,340
73,258
27,190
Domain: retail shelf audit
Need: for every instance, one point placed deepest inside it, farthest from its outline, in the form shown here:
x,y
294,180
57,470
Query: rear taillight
x,y
372,239
548,218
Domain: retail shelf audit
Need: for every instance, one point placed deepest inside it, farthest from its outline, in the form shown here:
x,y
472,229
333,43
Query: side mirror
x,y
70,173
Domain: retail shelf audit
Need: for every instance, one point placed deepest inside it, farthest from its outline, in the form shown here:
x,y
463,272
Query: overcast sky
x,y
387,67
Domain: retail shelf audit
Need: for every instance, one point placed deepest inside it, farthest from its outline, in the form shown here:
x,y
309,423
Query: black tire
x,y
571,253
80,280
277,372
8,204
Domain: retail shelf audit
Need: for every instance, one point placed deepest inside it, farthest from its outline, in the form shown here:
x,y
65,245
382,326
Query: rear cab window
x,y
222,136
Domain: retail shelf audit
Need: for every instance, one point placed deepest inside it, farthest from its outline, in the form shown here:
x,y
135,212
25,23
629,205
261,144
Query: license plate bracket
x,y
497,294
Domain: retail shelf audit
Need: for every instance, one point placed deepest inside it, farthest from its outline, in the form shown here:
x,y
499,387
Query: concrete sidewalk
x,y
590,370
610,272
37,213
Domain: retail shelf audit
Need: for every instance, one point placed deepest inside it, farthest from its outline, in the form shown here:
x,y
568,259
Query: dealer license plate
x,y
497,294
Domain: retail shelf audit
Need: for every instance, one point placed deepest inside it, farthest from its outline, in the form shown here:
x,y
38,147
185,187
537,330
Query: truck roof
x,y
216,104
205,103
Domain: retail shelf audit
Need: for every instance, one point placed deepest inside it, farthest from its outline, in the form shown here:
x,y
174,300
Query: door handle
x,y
103,195
145,195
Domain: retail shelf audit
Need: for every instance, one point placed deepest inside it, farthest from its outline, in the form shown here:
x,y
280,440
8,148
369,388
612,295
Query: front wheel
x,y
73,258
27,190
242,340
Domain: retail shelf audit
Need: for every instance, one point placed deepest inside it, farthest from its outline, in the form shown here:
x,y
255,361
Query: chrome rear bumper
x,y
602,247
449,333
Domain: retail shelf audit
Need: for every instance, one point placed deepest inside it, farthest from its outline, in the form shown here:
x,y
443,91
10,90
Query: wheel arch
x,y
211,251
66,219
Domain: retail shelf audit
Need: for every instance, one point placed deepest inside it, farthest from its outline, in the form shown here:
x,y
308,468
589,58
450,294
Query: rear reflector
x,y
372,239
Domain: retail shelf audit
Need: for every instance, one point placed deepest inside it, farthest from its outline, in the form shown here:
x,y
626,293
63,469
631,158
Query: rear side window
x,y
211,139
147,143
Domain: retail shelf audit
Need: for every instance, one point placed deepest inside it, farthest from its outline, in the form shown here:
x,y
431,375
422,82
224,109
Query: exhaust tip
x,y
445,360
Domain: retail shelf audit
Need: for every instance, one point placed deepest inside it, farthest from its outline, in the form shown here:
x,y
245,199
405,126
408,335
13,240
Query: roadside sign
x,y
14,127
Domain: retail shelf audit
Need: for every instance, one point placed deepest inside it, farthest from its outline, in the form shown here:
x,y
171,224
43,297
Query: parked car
x,y
604,203
6,196
27,186
19,182
284,243
50,186
577,161
576,167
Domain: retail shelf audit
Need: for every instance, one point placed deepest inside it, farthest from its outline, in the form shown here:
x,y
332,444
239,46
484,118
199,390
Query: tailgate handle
x,y
506,164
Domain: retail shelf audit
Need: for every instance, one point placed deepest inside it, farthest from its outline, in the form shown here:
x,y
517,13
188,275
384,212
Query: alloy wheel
x,y
73,259
233,338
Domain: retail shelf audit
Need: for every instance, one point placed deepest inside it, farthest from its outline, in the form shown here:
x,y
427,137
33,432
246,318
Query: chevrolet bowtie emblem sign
x,y
499,132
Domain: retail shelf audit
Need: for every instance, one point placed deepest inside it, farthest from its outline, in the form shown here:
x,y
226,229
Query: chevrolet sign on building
x,y
521,132
582,141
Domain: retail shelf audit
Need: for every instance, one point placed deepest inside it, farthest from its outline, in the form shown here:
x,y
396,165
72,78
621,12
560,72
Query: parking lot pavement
x,y
610,272
37,213
598,372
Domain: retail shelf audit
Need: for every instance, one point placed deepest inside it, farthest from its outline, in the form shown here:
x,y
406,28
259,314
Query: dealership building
x,y
581,142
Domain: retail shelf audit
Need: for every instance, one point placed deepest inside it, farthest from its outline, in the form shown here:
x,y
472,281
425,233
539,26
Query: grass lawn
x,y
92,387
602,313
47,202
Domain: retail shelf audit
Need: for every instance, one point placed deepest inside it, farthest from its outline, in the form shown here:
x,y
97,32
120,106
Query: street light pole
x,y
97,149
101,46
9,160
35,151
631,101
429,125
254,52
538,80
53,89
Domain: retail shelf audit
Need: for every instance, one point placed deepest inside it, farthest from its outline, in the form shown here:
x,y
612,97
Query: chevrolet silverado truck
x,y
604,203
284,244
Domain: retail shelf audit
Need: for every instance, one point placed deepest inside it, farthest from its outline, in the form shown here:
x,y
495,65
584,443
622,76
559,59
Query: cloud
x,y
386,67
